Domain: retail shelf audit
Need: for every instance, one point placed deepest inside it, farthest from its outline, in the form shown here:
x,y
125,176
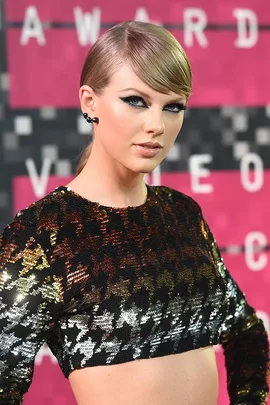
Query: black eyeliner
x,y
181,106
129,98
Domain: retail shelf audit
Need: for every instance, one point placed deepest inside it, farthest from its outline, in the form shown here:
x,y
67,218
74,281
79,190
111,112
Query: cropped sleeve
x,y
243,338
28,306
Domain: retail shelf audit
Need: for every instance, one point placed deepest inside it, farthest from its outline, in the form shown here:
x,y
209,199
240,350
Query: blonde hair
x,y
154,54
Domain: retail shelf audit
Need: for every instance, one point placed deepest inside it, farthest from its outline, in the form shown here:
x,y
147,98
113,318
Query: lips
x,y
150,145
147,151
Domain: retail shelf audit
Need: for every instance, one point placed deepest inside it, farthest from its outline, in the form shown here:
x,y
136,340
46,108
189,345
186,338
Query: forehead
x,y
125,75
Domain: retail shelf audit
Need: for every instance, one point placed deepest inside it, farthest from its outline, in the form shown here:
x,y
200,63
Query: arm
x,y
243,338
28,307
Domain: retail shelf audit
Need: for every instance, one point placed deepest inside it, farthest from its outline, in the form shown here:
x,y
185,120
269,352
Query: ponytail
x,y
83,160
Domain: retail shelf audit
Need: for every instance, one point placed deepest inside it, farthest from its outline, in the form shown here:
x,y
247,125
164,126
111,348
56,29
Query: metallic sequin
x,y
106,285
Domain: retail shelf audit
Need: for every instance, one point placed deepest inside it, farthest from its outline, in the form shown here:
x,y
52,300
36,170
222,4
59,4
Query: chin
x,y
146,168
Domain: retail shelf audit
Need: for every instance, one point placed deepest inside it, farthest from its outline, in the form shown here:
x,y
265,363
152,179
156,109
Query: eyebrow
x,y
181,100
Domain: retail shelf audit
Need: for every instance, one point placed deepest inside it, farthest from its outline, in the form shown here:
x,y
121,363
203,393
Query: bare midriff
x,y
189,378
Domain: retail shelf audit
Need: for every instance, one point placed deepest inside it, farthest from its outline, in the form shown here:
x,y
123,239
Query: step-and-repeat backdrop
x,y
221,157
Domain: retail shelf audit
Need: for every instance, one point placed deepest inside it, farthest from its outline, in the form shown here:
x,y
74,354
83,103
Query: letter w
x,y
87,25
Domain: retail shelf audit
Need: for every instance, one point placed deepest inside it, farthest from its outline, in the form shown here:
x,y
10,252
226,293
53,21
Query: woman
x,y
124,281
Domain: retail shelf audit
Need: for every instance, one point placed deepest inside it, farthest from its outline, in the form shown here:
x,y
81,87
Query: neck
x,y
108,187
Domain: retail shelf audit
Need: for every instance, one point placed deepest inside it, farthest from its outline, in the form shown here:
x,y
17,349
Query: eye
x,y
135,101
176,108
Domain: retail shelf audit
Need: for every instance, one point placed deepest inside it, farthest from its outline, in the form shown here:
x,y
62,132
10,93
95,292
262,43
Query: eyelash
x,y
129,100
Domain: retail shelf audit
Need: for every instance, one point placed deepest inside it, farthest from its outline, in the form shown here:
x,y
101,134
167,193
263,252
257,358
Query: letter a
x,y
32,27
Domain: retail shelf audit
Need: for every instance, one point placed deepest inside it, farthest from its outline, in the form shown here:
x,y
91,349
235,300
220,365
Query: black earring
x,y
89,119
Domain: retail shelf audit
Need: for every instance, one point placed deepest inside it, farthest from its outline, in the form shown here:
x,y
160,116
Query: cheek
x,y
119,120
116,113
179,127
117,129
173,127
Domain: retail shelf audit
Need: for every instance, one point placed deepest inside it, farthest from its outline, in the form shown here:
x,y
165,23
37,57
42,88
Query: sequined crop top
x,y
105,285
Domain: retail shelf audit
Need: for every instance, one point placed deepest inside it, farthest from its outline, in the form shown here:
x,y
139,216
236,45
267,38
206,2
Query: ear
x,y
87,99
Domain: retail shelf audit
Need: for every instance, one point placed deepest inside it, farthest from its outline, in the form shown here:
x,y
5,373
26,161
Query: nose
x,y
154,124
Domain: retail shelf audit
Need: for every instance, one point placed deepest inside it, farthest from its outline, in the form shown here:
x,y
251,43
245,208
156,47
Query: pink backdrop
x,y
216,49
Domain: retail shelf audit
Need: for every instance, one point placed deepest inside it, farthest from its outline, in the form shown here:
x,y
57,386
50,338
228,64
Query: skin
x,y
188,378
114,159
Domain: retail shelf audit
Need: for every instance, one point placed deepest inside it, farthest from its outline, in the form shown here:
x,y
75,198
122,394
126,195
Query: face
x,y
131,113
